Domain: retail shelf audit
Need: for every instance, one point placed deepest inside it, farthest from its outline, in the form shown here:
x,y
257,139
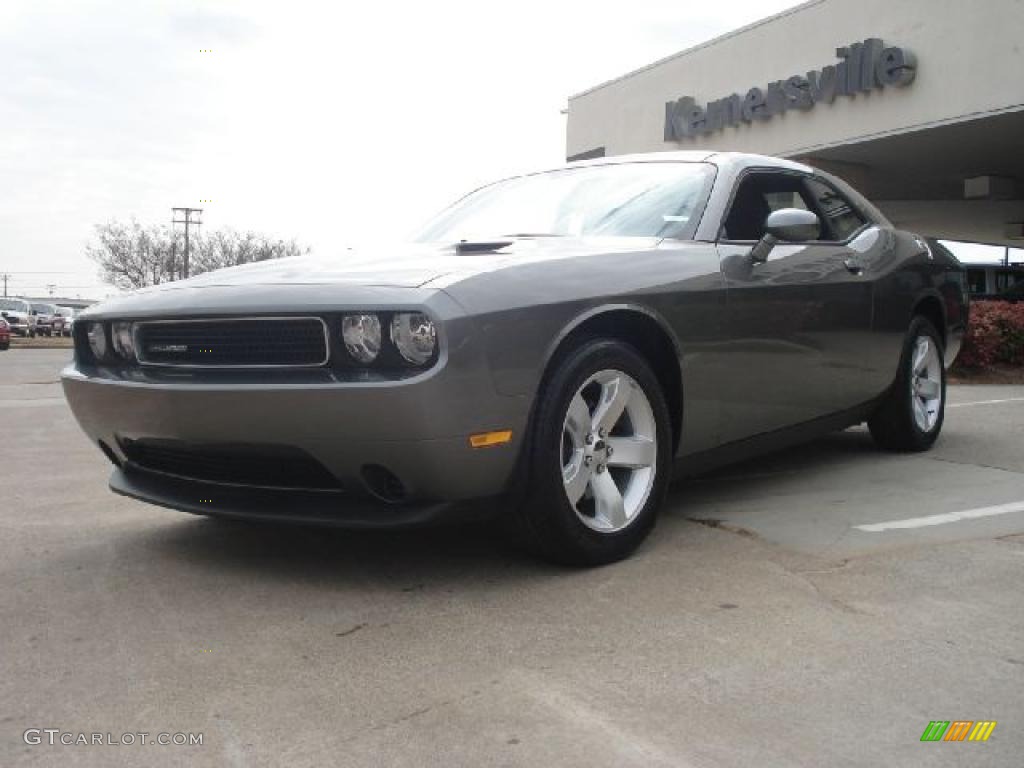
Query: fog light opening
x,y
109,453
383,483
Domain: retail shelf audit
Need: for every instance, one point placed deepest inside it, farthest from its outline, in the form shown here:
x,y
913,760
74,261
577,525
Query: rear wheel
x,y
601,456
911,414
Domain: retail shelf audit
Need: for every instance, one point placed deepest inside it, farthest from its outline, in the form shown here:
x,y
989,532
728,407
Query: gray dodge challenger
x,y
552,349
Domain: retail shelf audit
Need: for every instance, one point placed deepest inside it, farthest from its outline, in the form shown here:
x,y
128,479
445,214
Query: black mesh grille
x,y
257,465
271,342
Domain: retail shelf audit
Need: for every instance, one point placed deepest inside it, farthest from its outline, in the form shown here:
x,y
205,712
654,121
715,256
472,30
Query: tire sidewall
x,y
552,515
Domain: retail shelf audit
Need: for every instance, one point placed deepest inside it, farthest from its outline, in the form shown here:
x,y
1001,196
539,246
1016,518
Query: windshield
x,y
47,309
14,304
650,199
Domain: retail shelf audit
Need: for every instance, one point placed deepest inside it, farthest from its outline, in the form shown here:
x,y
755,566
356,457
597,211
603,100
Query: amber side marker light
x,y
487,439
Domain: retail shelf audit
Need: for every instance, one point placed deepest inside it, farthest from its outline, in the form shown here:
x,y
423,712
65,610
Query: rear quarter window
x,y
841,219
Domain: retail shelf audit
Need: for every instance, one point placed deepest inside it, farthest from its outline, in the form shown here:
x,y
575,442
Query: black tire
x,y
893,425
547,522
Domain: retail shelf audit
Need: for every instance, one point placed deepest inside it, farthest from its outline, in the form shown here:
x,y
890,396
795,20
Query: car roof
x,y
736,159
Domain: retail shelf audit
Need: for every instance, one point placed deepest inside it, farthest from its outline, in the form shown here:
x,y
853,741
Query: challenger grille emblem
x,y
168,348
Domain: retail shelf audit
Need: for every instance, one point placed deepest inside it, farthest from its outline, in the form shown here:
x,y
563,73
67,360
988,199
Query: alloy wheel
x,y
926,383
609,451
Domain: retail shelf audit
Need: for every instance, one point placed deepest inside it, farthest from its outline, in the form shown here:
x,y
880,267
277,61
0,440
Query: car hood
x,y
406,273
403,266
13,314
408,269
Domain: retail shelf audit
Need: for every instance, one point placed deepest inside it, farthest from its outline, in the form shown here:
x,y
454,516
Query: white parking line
x,y
986,402
948,517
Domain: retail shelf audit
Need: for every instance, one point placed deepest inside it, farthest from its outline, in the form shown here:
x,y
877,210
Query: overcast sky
x,y
331,123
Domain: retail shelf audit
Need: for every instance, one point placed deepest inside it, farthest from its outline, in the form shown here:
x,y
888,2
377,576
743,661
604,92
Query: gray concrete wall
x,y
970,58
979,221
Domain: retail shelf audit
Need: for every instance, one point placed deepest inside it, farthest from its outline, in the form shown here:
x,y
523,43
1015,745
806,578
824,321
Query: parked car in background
x,y
559,341
18,314
63,321
5,335
44,317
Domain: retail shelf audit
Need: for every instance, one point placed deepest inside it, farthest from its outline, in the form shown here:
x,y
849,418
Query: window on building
x,y
976,281
1007,279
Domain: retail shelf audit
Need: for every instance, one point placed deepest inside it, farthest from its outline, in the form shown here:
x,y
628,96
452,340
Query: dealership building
x,y
917,103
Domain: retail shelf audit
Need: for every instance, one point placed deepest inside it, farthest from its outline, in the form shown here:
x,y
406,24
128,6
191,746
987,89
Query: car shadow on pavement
x,y
790,467
403,558
457,552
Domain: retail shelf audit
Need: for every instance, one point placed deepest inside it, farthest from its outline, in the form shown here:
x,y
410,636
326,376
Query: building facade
x,y
917,103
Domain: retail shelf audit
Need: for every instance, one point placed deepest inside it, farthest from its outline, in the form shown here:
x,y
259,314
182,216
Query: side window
x,y
759,194
839,218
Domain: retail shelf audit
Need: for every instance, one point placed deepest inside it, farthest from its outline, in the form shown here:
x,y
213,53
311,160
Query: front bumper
x,y
417,428
291,506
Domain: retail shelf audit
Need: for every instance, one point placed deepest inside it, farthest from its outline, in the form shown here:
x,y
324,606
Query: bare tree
x,y
132,256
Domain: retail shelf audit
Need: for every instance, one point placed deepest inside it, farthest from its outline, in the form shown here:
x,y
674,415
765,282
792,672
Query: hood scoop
x,y
481,246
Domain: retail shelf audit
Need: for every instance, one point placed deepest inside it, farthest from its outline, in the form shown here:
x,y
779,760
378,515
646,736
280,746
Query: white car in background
x,y
18,314
63,321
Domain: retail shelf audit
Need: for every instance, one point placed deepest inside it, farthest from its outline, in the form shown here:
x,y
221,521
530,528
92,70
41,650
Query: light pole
x,y
189,216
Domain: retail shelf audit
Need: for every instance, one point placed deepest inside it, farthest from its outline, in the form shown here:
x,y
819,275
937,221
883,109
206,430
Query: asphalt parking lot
x,y
783,614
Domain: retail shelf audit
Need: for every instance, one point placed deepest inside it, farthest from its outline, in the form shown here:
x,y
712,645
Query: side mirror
x,y
791,225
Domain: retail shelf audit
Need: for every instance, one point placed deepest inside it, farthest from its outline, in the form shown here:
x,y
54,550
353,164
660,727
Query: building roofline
x,y
706,44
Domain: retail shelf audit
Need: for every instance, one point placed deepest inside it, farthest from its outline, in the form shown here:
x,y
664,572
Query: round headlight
x,y
124,344
414,335
97,340
361,334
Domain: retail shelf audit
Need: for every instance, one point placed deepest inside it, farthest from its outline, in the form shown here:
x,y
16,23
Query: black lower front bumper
x,y
302,507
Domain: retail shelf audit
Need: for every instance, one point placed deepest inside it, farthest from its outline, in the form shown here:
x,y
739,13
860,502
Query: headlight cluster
x,y
412,333
387,339
120,339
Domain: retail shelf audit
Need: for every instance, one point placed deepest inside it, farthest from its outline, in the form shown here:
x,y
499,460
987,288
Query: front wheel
x,y
910,416
601,456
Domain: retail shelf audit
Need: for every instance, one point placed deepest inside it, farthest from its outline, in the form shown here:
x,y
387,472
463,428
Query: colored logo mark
x,y
958,730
